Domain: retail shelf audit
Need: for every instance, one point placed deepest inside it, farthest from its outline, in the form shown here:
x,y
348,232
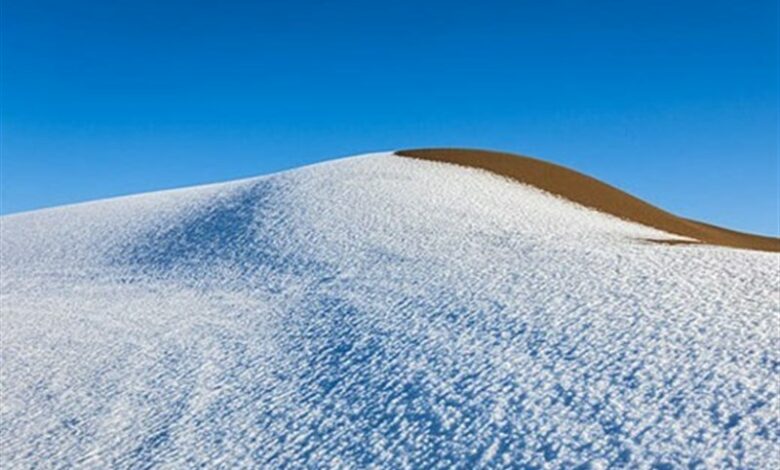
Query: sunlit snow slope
x,y
379,311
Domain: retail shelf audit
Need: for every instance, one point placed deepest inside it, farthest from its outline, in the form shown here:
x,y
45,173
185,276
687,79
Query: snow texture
x,y
385,312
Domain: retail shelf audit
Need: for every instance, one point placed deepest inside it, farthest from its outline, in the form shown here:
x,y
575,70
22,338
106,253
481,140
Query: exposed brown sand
x,y
590,192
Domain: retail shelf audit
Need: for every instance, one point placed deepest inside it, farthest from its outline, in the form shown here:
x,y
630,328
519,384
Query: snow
x,y
379,311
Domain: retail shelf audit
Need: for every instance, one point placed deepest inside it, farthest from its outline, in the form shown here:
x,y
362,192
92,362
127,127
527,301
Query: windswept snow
x,y
379,312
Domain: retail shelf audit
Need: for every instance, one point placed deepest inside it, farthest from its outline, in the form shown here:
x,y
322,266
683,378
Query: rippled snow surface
x,y
379,312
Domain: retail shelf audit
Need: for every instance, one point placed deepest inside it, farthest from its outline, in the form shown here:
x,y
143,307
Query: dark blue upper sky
x,y
674,101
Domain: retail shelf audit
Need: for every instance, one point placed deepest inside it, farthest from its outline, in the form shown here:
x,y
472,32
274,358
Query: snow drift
x,y
379,311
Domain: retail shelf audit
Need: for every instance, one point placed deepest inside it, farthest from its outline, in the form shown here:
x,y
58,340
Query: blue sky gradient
x,y
673,101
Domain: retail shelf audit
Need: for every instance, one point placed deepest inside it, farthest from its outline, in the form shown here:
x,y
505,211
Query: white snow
x,y
379,312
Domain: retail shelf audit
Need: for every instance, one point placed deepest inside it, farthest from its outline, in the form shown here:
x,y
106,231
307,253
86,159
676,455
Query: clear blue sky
x,y
674,101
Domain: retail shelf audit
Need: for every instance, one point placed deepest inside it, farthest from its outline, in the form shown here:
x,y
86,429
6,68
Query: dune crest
x,y
595,194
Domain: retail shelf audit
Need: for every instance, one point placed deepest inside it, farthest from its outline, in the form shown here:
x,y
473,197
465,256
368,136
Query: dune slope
x,y
593,193
382,312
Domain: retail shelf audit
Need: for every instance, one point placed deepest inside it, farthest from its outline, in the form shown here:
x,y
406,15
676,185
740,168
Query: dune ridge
x,y
590,192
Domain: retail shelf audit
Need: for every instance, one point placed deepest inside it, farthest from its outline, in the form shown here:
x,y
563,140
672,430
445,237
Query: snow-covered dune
x,y
379,311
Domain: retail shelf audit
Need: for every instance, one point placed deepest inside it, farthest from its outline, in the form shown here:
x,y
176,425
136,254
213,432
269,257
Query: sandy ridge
x,y
593,193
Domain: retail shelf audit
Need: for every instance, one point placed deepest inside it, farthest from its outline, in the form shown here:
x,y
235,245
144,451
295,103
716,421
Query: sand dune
x,y
593,193
381,312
